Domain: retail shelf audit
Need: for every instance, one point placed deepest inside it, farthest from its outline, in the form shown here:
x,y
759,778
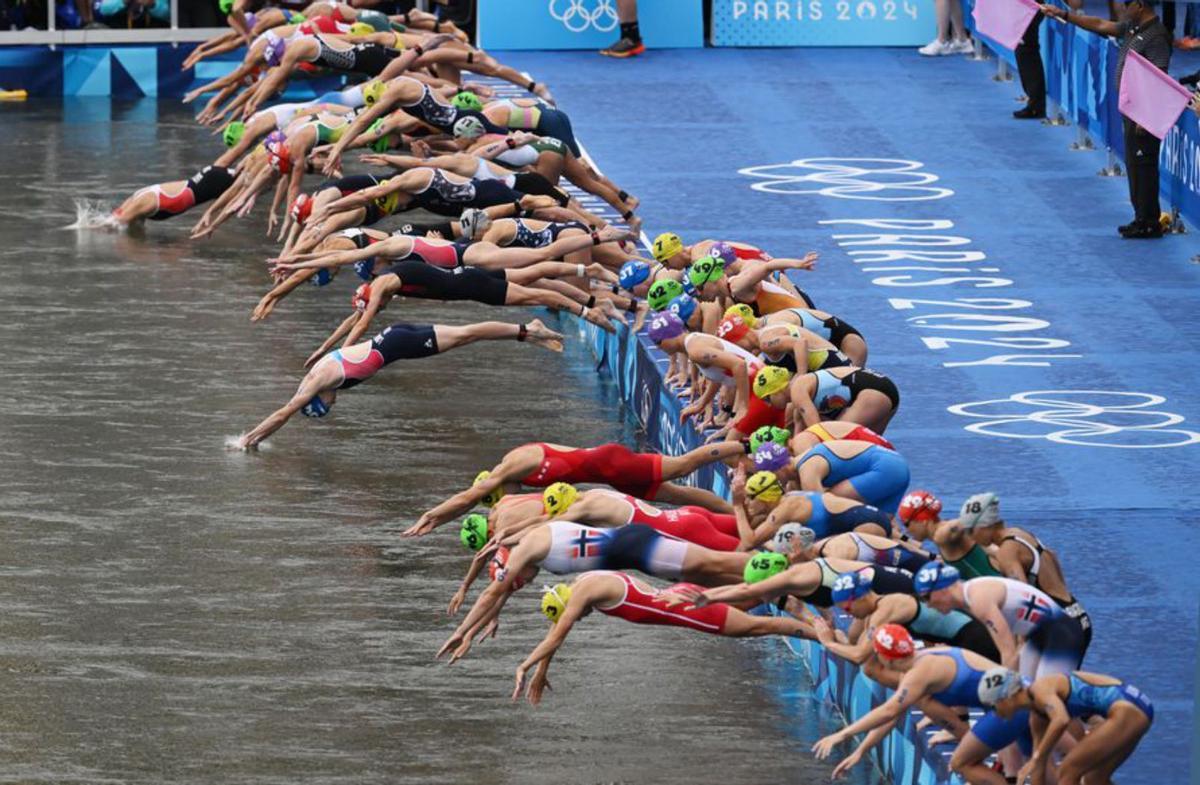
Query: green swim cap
x,y
764,565
467,100
226,6
474,531
234,133
769,433
705,269
661,293
380,145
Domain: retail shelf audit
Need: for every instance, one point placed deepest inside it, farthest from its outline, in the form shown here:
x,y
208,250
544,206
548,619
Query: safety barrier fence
x,y
1081,88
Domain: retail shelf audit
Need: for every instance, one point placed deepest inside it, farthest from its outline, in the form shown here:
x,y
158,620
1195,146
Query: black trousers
x,y
1029,66
1141,159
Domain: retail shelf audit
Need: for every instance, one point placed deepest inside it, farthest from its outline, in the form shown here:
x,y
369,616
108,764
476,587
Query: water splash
x,y
91,215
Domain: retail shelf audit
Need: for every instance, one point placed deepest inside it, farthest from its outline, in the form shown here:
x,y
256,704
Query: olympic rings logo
x,y
577,19
1085,418
874,179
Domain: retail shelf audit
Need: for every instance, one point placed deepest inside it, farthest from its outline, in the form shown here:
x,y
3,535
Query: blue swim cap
x,y
365,269
683,306
850,586
632,274
934,576
688,288
315,407
324,275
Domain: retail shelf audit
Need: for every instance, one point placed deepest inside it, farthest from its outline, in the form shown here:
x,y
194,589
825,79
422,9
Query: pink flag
x,y
1149,97
1004,21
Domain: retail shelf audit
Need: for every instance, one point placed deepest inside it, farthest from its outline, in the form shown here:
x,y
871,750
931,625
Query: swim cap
x,y
315,407
705,269
558,497
361,28
321,277
302,208
920,506
892,642
273,52
361,296
233,133
724,252
226,6
769,433
372,91
380,145
465,99
771,457
365,269
764,486
682,306
732,329
493,497
850,586
555,600
633,273
468,128
770,380
982,509
744,311
661,293
792,535
498,568
666,245
998,683
934,576
251,19
280,157
474,221
764,565
474,532
666,325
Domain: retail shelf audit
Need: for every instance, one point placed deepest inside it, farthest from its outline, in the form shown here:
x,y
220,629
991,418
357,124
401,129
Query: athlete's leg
x,y
670,493
874,411
739,624
1118,753
967,762
1103,743
582,176
676,466
535,332
854,347
520,295
141,204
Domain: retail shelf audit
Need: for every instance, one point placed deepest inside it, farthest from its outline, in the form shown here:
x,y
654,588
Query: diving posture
x,y
345,368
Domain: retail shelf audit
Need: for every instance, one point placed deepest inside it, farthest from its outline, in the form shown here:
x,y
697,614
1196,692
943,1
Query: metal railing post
x,y
175,24
1113,167
1082,140
50,26
979,52
1054,113
1002,74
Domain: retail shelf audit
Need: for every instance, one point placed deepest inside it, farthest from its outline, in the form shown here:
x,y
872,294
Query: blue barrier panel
x,y
585,24
1081,69
638,369
822,22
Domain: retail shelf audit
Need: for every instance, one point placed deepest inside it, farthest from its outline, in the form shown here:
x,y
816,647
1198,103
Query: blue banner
x,y
822,22
585,24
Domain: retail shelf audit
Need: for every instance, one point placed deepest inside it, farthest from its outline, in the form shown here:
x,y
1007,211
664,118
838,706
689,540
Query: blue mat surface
x,y
1024,315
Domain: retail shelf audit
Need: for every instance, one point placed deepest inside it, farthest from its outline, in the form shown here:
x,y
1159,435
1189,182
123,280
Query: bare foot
x,y
597,317
541,335
632,202
613,312
612,234
634,223
543,93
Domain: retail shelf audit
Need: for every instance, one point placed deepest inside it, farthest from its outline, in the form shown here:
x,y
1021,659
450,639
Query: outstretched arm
x,y
744,284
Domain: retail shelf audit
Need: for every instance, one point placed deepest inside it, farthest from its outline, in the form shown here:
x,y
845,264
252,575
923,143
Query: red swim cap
x,y
920,506
302,208
732,328
361,297
498,568
892,642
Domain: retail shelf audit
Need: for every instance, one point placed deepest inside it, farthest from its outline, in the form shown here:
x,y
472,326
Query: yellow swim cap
x,y
744,311
558,497
372,91
764,486
667,245
361,28
555,600
771,379
493,497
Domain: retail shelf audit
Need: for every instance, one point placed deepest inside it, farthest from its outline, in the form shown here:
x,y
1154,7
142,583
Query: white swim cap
x,y
793,535
982,509
996,684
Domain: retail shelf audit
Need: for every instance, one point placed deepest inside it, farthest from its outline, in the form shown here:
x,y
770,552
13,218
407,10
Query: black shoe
x,y
626,47
1030,113
1144,230
1123,230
